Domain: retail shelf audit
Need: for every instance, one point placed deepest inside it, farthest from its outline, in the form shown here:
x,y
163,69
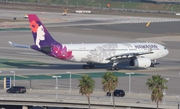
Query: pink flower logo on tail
x,y
61,52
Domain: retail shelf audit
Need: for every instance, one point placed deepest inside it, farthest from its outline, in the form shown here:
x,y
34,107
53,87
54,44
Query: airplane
x,y
140,55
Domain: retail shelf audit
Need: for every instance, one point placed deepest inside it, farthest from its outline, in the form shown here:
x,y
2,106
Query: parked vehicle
x,y
16,89
117,92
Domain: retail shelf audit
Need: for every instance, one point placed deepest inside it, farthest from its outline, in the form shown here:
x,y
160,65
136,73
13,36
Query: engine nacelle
x,y
141,62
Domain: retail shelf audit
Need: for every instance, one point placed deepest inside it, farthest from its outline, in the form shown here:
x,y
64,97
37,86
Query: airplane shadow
x,y
38,65
41,65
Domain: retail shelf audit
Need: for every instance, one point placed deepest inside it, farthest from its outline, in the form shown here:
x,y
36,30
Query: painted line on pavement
x,y
22,76
50,75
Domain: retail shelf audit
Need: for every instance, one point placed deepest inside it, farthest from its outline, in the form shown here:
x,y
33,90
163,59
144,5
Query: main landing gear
x,y
91,66
88,66
153,63
113,67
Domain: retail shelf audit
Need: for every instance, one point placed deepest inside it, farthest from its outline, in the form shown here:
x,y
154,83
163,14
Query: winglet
x,y
18,45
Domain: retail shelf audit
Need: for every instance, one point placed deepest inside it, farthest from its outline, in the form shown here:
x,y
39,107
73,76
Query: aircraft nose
x,y
167,51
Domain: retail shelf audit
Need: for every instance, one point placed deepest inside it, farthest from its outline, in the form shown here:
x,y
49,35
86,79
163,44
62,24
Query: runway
x,y
77,28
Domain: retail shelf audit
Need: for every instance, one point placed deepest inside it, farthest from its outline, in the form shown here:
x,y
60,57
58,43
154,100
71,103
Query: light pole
x,y
129,81
67,2
100,5
164,93
69,81
171,9
30,84
56,84
14,84
76,4
147,8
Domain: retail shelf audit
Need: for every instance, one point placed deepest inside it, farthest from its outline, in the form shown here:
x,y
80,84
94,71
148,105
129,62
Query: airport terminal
x,y
46,47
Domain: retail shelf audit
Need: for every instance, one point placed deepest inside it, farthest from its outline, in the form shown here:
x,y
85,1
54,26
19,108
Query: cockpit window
x,y
165,48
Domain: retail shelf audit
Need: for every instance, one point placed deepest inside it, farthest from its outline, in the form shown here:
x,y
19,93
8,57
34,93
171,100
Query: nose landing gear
x,y
153,63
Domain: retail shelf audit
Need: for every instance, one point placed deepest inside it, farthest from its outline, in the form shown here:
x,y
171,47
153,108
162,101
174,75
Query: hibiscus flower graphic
x,y
34,26
61,52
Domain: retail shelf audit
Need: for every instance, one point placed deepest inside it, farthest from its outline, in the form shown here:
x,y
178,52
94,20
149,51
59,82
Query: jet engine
x,y
140,62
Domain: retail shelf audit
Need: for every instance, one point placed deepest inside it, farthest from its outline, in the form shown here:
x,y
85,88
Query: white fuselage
x,y
98,53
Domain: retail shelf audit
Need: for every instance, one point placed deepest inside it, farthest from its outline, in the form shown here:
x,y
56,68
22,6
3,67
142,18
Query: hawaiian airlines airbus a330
x,y
142,55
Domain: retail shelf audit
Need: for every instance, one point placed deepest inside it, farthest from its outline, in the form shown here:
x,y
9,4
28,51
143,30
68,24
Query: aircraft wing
x,y
18,45
127,55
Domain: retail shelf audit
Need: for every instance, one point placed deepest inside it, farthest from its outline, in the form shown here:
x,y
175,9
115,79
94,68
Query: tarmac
x,y
81,29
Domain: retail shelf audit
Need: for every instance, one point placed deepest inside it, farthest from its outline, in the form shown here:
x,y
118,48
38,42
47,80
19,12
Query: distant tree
x,y
86,86
109,82
157,85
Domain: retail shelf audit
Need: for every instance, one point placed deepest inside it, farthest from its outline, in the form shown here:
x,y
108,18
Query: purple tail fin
x,y
44,41
41,36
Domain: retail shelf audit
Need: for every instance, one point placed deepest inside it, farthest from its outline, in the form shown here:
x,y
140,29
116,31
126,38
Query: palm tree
x,y
86,86
109,82
157,85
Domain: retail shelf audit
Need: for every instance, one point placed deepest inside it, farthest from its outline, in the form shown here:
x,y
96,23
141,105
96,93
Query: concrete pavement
x,y
98,97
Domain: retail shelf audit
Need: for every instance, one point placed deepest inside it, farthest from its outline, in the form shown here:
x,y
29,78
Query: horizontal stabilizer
x,y
18,45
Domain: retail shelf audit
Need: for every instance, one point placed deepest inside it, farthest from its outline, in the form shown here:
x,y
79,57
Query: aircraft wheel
x,y
83,67
87,66
116,68
109,68
112,68
91,66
